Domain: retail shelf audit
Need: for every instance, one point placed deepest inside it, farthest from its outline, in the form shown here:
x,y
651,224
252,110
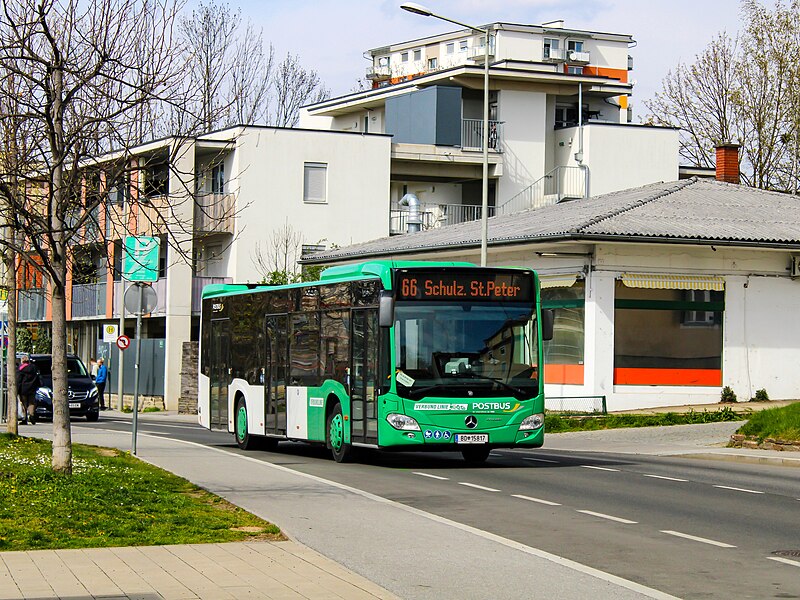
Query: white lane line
x,y
539,500
663,477
544,460
697,539
785,561
609,517
735,489
478,487
600,468
431,476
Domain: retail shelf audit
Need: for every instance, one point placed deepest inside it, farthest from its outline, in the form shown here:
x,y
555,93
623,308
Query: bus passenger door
x,y
275,381
364,376
220,359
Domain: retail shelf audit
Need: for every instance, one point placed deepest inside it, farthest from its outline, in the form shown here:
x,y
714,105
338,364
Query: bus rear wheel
x,y
342,452
243,439
476,455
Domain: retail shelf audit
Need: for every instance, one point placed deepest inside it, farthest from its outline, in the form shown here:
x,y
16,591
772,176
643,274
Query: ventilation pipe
x,y
579,153
414,216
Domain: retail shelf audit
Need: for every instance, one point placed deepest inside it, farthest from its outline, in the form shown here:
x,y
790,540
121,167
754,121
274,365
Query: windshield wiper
x,y
519,393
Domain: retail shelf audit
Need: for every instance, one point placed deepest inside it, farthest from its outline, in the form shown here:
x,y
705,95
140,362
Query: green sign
x,y
141,258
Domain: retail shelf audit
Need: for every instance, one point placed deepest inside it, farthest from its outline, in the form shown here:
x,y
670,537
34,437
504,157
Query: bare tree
x,y
251,74
84,70
744,90
295,87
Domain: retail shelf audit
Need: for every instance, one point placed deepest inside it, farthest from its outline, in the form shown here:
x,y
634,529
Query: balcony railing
x,y
477,53
472,134
198,283
213,213
562,183
379,72
436,215
31,304
89,300
574,56
555,54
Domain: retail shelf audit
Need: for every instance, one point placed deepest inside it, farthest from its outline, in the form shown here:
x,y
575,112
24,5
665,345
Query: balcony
x,y
32,304
198,283
555,55
88,300
436,215
472,134
578,58
379,73
477,53
213,213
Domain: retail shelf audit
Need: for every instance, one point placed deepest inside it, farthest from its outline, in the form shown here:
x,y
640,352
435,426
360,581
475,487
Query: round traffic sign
x,y
123,342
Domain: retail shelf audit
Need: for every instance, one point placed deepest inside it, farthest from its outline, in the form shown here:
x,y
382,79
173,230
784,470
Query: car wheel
x,y
92,416
342,452
475,455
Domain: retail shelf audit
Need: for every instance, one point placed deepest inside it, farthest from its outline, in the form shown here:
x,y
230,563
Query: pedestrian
x,y
29,381
100,380
93,367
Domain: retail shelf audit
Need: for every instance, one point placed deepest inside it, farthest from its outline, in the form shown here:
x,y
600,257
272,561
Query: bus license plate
x,y
74,404
472,438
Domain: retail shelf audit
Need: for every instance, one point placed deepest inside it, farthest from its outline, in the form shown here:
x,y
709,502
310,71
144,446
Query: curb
x,y
742,458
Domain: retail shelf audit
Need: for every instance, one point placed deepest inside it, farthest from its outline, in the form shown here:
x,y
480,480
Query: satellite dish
x,y
149,299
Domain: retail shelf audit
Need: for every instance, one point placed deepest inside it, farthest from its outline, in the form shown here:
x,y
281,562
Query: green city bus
x,y
393,355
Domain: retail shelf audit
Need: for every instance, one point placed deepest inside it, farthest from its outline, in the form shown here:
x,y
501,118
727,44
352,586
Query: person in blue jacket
x,y
100,380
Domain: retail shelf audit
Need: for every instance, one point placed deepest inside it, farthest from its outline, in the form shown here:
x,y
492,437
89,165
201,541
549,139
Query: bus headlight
x,y
532,422
402,422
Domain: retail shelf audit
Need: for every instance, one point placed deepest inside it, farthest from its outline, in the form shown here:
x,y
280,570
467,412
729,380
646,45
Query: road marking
x,y
544,460
735,489
663,477
478,487
539,500
785,561
609,517
697,539
431,476
600,468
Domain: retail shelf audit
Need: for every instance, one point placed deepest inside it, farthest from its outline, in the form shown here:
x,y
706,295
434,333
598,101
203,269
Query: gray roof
x,y
696,211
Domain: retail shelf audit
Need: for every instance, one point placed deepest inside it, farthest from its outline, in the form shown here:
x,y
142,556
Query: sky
x,y
332,36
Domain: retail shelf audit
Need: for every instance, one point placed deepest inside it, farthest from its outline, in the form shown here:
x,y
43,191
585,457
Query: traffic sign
x,y
123,342
141,258
110,333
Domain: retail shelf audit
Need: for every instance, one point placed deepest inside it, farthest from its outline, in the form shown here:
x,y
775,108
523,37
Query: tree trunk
x,y
62,436
11,366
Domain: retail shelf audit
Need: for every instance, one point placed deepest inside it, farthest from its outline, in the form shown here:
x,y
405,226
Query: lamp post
x,y
418,9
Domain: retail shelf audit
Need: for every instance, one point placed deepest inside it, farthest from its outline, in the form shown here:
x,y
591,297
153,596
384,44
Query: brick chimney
x,y
728,162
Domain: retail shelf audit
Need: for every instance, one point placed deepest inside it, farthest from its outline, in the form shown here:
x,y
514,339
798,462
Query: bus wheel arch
x,y
243,438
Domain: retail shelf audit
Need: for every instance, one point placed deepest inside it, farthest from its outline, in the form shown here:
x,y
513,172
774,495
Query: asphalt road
x,y
688,527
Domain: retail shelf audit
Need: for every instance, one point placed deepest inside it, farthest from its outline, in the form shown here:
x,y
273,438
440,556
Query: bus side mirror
x,y
548,319
386,309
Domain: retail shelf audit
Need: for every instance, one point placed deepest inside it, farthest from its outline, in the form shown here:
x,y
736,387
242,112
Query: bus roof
x,y
380,269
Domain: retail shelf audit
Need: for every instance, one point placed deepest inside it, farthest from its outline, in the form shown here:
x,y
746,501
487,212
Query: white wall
x,y
270,179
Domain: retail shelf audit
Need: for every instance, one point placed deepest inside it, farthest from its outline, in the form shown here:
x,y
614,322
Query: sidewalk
x,y
414,554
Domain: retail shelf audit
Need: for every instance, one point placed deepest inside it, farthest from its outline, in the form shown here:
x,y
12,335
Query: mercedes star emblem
x,y
471,422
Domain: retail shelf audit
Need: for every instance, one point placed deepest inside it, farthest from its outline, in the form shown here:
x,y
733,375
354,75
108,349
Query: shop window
x,y
669,337
564,354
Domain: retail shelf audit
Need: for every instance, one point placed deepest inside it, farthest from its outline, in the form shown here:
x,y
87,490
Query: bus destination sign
x,y
459,285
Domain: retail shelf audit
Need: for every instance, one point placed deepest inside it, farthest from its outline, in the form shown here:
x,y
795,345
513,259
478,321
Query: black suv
x,y
82,393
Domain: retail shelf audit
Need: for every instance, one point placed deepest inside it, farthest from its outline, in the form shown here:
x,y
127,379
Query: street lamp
x,y
418,9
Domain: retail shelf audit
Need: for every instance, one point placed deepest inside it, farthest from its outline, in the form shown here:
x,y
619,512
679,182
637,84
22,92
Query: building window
x,y
451,47
432,63
671,353
218,179
156,181
575,46
575,70
551,44
418,54
563,355
118,189
404,57
462,46
315,183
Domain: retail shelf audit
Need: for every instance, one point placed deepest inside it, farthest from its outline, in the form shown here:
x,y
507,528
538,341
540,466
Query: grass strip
x,y
111,499
555,423
777,423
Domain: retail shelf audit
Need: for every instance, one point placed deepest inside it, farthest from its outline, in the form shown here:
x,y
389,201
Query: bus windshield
x,y
475,349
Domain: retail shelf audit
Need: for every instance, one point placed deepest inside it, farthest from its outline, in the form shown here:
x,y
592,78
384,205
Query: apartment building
x,y
221,204
559,120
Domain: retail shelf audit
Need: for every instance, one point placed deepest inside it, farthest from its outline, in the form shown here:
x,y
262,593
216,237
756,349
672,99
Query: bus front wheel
x,y
476,455
342,452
